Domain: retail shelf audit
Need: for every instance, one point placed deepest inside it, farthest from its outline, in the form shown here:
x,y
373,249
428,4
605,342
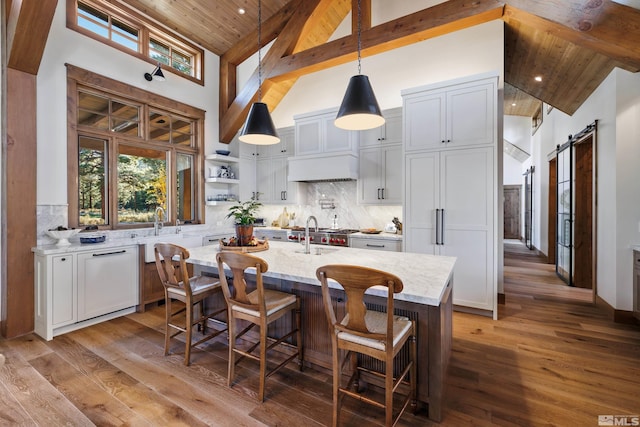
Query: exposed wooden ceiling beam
x,y
28,24
281,67
604,26
435,21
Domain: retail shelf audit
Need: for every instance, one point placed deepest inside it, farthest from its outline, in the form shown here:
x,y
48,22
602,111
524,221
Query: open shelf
x,y
220,158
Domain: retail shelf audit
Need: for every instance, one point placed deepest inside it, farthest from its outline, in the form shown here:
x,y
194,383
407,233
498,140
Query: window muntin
x,y
171,129
105,25
142,184
93,161
185,180
127,30
101,112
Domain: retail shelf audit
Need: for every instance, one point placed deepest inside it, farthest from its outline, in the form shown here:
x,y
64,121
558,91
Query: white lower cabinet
x,y
107,282
379,244
81,288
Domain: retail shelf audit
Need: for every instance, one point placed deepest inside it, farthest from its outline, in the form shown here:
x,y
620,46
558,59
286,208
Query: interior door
x,y
512,212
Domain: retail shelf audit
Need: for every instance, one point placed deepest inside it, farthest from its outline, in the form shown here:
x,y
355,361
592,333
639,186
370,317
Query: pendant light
x,y
259,128
359,109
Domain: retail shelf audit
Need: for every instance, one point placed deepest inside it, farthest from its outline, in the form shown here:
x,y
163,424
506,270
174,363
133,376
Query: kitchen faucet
x,y
307,241
178,228
157,225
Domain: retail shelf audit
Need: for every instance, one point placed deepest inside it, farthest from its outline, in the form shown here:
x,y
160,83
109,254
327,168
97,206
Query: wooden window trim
x,y
77,76
146,28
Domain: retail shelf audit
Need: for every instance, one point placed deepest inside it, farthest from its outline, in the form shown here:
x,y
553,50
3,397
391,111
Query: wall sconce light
x,y
156,74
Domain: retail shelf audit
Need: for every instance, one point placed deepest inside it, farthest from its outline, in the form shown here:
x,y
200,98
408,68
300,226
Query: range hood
x,y
338,167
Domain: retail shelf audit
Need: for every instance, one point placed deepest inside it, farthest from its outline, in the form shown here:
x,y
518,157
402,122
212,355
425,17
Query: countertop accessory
x,y
262,245
94,238
259,128
223,152
370,231
63,236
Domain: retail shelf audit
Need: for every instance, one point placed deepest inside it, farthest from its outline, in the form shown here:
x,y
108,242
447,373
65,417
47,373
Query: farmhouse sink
x,y
187,241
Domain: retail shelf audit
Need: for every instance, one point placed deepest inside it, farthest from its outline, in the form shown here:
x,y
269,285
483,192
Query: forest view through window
x,y
132,159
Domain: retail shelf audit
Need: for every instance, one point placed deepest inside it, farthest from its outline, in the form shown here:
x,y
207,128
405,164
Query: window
x,y
127,30
127,157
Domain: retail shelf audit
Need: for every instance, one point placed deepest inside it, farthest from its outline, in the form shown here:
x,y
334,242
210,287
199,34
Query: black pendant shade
x,y
359,109
259,128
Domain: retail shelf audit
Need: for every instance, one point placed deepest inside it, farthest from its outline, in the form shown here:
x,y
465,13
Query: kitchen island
x,y
426,299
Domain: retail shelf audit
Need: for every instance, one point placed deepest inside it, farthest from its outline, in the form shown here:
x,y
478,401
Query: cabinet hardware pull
x,y
111,253
63,259
276,238
369,245
382,193
286,194
442,227
437,226
378,194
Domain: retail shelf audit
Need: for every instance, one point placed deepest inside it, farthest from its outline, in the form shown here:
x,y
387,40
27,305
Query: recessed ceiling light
x,y
513,105
241,11
538,78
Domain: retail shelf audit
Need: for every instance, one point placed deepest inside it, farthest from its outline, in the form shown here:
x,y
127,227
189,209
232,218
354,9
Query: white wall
x,y
474,50
517,130
616,106
67,46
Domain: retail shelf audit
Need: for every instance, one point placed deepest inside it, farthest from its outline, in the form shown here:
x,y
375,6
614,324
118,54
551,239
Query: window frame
x,y
78,78
147,30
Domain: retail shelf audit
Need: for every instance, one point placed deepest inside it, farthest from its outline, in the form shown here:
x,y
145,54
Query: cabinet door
x,y
425,121
336,139
391,182
392,128
264,181
286,147
280,183
307,138
107,281
63,292
376,244
369,182
467,197
247,187
422,195
471,116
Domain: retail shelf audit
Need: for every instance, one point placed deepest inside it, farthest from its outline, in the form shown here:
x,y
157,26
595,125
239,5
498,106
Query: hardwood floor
x,y
551,359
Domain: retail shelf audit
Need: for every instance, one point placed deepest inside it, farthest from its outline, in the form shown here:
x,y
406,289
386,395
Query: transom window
x,y
131,158
129,31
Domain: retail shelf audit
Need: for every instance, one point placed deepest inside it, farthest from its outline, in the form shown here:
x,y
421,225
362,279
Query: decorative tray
x,y
370,231
261,245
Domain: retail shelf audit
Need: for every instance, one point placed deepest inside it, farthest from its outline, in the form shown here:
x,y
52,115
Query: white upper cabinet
x,y
389,133
455,116
316,134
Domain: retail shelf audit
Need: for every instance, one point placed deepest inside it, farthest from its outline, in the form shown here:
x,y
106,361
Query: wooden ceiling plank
x,y
28,26
271,28
438,20
233,117
604,26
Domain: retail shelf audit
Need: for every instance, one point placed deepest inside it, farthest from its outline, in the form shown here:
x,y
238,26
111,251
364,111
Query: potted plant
x,y
244,217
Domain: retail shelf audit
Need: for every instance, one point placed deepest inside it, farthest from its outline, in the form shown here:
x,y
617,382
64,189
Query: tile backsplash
x,y
343,195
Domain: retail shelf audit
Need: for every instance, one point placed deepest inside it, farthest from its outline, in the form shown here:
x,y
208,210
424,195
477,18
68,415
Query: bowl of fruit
x,y
62,235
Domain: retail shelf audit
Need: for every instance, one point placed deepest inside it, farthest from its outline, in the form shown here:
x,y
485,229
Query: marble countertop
x,y
425,277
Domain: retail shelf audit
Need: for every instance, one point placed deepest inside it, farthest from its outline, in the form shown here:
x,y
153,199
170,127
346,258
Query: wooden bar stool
x,y
259,307
172,269
376,334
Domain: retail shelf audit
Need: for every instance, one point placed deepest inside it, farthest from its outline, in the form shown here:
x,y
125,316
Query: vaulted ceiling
x,y
571,44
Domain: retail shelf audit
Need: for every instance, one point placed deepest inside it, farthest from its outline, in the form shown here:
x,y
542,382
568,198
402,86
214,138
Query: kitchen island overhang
x,y
426,298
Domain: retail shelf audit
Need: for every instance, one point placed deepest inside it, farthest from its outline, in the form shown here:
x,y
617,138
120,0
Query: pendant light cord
x,y
359,35
259,51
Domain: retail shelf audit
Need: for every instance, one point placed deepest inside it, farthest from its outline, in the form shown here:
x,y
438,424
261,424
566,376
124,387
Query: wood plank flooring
x,y
552,359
